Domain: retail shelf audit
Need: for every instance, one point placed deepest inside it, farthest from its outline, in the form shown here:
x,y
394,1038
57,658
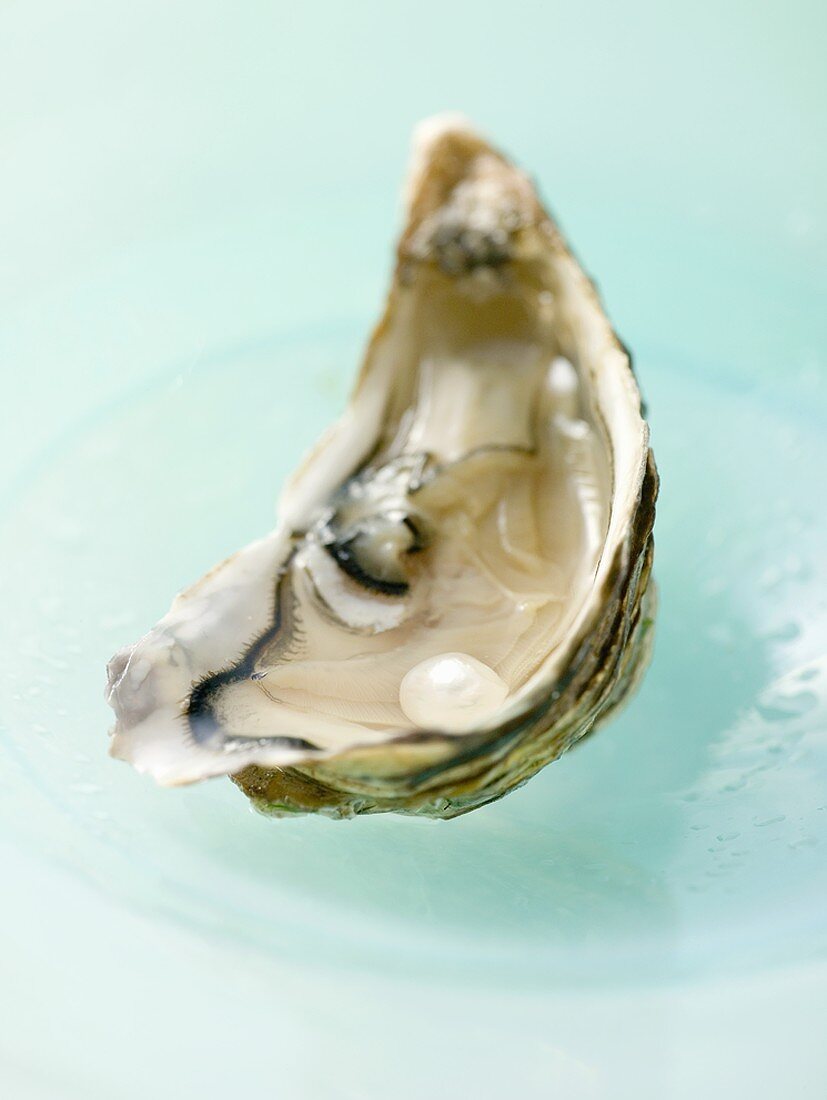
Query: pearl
x,y
452,692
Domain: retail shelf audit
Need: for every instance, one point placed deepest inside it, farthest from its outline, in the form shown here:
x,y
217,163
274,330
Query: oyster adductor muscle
x,y
458,588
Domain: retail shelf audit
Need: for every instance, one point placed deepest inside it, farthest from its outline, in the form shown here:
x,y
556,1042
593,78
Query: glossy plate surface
x,y
197,244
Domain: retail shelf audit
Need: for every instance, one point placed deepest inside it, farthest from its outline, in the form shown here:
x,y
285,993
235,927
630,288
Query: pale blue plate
x,y
197,208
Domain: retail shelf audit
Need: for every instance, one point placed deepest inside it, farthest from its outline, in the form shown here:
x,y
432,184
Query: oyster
x,y
459,585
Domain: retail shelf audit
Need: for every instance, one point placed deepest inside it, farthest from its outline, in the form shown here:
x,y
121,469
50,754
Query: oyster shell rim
x,y
356,764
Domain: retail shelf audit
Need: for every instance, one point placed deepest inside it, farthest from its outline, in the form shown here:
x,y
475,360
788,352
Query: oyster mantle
x,y
459,586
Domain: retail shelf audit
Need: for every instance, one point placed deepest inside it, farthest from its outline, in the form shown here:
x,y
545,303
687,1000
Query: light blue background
x,y
197,202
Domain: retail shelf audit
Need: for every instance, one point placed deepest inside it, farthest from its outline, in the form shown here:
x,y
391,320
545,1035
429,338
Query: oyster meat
x,y
458,588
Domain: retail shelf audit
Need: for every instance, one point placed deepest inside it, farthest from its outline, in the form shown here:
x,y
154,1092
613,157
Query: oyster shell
x,y
459,585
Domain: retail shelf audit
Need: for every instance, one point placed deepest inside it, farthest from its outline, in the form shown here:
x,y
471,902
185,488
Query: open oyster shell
x,y
459,585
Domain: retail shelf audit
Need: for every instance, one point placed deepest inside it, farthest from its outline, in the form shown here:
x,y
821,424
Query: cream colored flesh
x,y
518,525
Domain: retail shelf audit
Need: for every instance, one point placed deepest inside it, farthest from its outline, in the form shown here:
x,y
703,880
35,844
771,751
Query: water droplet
x,y
721,634
795,567
115,621
735,784
787,706
786,632
807,674
85,788
770,578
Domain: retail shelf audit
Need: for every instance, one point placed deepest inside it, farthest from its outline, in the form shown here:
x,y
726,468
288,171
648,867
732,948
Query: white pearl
x,y
452,692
